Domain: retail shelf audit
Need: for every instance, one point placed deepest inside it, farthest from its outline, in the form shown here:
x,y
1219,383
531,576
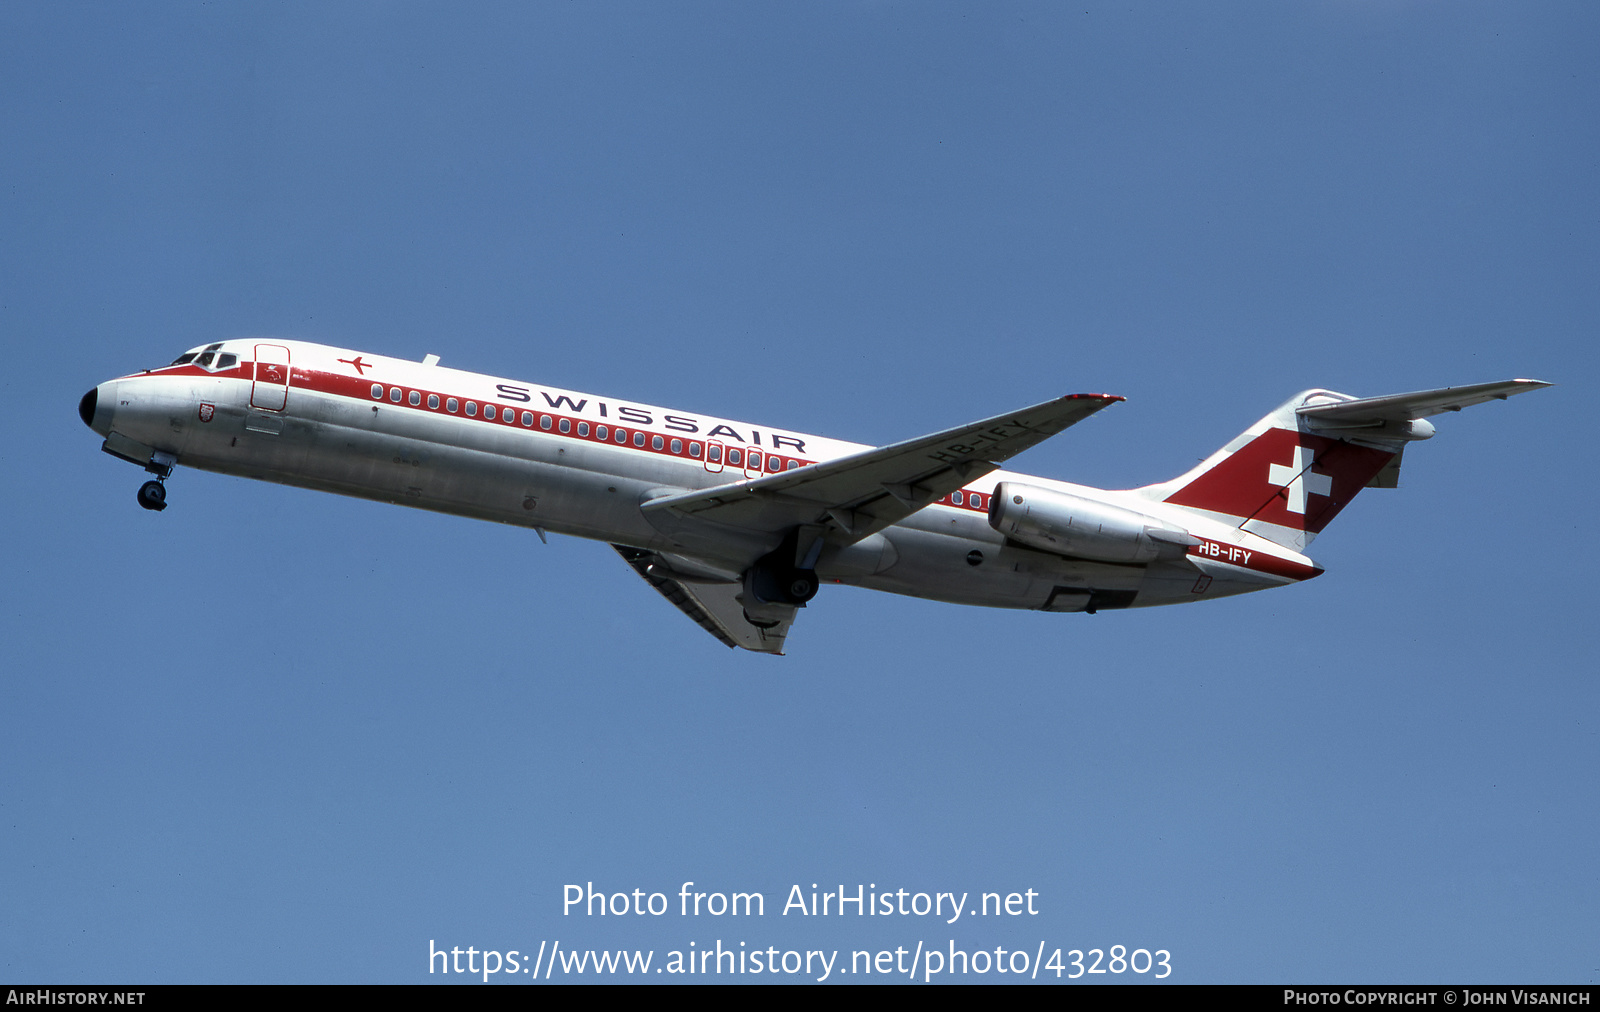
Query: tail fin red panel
x,y
1285,478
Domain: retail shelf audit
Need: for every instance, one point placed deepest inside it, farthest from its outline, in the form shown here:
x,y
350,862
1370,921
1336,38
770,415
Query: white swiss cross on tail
x,y
1299,482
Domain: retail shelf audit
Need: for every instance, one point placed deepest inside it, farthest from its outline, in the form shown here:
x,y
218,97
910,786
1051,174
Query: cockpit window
x,y
210,358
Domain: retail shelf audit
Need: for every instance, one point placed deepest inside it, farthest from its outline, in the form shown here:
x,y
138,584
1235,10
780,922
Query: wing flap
x,y
715,607
865,492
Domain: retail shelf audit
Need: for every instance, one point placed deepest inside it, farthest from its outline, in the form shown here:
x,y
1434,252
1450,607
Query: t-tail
x,y
1287,476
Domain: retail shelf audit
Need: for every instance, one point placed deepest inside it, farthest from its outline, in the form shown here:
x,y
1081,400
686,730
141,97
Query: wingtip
x,y
1108,398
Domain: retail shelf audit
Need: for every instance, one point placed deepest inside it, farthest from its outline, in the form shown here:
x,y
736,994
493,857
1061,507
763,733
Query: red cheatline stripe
x,y
357,388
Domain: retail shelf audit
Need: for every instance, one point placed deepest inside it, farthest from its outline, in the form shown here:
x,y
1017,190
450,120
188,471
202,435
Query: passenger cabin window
x,y
433,401
377,391
451,405
734,457
566,425
602,432
583,428
472,409
694,449
677,446
488,411
394,394
527,419
416,398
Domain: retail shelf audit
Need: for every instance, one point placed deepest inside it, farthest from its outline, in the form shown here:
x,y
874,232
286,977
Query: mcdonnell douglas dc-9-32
x,y
738,525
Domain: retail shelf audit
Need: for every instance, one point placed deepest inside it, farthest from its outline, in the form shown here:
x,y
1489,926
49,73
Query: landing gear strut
x,y
153,496
783,578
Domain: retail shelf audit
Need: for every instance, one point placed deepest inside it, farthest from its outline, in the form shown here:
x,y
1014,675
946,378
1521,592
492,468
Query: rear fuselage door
x,y
270,391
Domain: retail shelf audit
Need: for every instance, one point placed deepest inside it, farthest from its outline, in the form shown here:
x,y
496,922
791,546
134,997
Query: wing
x,y
714,606
865,492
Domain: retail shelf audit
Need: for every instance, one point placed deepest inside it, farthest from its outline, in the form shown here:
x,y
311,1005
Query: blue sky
x,y
275,735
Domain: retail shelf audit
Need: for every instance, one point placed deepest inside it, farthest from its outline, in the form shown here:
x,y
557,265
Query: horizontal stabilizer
x,y
1421,404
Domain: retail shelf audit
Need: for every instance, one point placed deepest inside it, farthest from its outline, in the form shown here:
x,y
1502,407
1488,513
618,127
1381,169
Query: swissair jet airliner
x,y
738,524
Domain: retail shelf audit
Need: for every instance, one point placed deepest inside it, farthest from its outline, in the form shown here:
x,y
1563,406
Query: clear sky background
x,y
277,735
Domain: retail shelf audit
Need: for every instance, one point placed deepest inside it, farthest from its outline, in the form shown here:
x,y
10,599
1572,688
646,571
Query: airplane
x,y
738,525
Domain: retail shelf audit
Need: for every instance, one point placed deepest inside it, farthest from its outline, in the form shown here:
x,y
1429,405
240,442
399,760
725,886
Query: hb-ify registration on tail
x,y
740,525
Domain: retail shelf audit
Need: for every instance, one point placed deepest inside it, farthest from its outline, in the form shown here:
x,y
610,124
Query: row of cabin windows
x,y
714,453
735,456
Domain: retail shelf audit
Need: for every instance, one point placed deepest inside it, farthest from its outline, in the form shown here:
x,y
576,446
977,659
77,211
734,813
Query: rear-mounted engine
x,y
1071,525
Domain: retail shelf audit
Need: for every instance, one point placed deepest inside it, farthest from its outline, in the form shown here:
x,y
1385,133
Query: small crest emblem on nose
x,y
207,411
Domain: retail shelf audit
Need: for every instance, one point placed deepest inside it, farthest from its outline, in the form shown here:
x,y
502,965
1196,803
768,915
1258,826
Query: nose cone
x,y
89,410
86,406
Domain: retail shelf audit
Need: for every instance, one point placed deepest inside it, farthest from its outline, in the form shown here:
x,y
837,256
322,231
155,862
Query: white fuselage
x,y
522,453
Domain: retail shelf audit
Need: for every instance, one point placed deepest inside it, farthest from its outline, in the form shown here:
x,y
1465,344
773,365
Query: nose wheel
x,y
153,496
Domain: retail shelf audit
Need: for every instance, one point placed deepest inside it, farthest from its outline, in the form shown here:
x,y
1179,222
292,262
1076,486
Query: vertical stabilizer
x,y
1279,478
1288,475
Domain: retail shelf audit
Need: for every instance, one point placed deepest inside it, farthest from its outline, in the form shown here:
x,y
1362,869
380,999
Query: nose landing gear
x,y
153,496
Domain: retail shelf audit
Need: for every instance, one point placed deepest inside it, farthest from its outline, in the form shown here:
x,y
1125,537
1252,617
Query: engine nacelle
x,y
1071,525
